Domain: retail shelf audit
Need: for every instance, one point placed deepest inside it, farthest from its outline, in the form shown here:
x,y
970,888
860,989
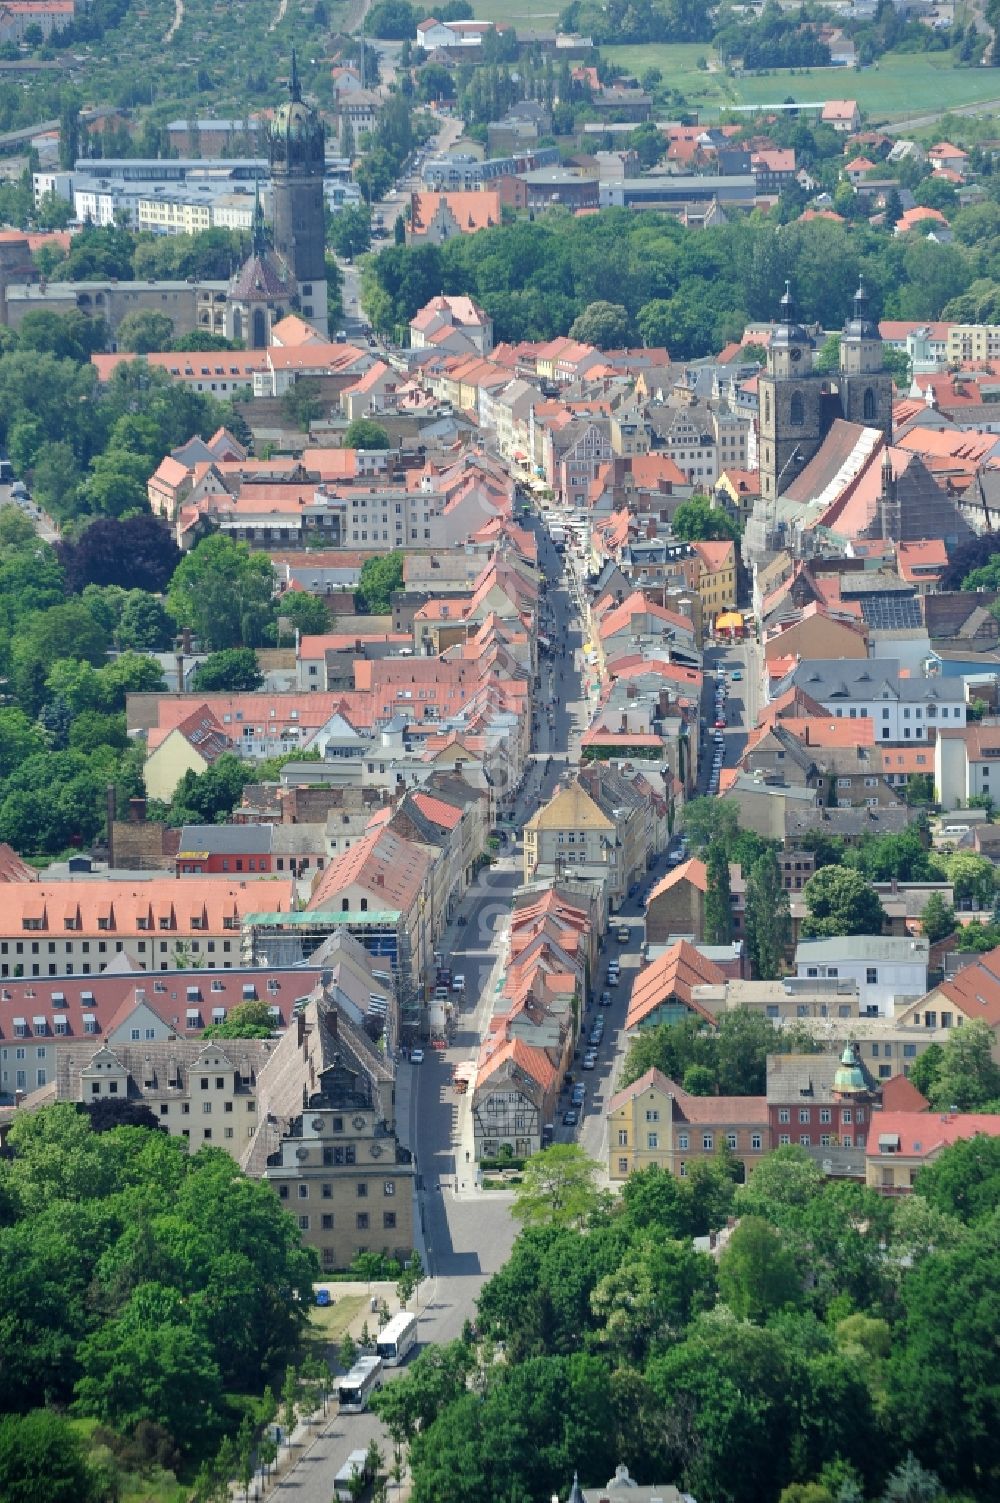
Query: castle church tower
x,y
865,386
792,418
296,155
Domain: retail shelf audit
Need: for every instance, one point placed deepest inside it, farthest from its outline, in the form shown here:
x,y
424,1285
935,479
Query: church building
x,y
799,405
290,276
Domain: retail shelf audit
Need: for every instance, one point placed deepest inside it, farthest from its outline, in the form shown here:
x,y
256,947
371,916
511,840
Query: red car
x,y
720,725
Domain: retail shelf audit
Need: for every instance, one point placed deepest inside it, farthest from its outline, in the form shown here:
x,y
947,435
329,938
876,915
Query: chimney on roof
x,y
112,809
136,811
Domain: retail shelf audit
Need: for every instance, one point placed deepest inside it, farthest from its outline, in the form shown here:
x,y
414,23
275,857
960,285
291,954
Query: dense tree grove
x,y
842,1348
138,1285
690,293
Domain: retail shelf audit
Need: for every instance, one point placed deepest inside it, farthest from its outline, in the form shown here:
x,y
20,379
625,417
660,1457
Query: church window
x,y
796,410
869,406
767,407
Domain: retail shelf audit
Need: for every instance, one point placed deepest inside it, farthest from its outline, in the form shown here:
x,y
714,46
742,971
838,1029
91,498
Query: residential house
x,y
966,763
572,835
842,114
515,1095
459,314
889,972
676,905
656,1123
901,708
901,1143
192,745
717,576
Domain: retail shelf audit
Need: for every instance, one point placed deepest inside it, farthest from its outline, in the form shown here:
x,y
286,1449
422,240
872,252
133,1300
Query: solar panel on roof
x,y
892,612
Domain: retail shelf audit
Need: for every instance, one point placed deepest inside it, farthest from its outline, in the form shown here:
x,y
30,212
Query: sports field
x,y
900,85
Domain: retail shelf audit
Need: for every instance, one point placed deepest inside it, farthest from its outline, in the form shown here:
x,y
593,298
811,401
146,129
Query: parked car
x,y
458,984
590,1060
579,1095
570,1118
737,676
605,999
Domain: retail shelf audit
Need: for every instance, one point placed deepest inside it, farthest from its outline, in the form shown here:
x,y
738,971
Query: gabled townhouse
x,y
636,621
191,744
386,875
664,990
517,1086
461,314
972,992
654,1122
716,576
572,835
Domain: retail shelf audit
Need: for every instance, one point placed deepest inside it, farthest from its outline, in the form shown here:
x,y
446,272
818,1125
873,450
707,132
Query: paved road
x,y
42,523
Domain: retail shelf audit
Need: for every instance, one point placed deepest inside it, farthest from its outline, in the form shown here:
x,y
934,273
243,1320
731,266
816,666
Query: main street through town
x,y
467,1233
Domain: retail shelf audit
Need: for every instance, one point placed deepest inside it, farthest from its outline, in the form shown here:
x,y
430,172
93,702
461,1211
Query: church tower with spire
x,y
865,384
793,420
296,154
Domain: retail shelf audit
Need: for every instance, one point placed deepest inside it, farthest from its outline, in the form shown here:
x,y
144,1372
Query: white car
x,y
416,1056
458,984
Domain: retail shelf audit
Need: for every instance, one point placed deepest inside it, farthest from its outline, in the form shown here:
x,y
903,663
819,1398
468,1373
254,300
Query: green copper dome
x,y
850,1078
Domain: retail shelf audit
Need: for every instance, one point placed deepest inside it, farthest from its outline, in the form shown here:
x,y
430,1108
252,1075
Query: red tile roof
x,y
675,974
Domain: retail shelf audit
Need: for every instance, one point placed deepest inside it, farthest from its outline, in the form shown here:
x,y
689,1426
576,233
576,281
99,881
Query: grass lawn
x,y
537,15
331,1321
903,84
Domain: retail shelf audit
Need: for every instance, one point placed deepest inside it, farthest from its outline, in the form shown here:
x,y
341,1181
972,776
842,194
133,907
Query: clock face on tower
x,y
795,354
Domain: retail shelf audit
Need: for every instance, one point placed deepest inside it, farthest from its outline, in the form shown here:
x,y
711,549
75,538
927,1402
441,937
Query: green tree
x,y
362,433
557,1188
768,918
943,1402
223,591
938,918
149,1364
973,878
410,1279
710,819
209,796
347,1352
745,1038
247,1020
302,403
349,231
840,902
786,1179
699,1080
757,1275
718,923
380,576
143,625
144,331
967,1079
698,521
603,324
42,1461
232,670
964,1181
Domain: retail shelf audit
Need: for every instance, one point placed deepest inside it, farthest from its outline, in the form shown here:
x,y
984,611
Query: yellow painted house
x,y
191,746
716,576
655,1121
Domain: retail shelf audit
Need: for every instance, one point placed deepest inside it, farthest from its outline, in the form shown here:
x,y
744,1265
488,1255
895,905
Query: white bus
x,y
355,1467
355,1388
397,1339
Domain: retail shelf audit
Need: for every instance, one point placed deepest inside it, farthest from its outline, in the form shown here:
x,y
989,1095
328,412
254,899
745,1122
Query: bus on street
x,y
355,1388
397,1339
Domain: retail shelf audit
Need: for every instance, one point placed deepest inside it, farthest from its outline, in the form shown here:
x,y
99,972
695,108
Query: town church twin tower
x,y
799,405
